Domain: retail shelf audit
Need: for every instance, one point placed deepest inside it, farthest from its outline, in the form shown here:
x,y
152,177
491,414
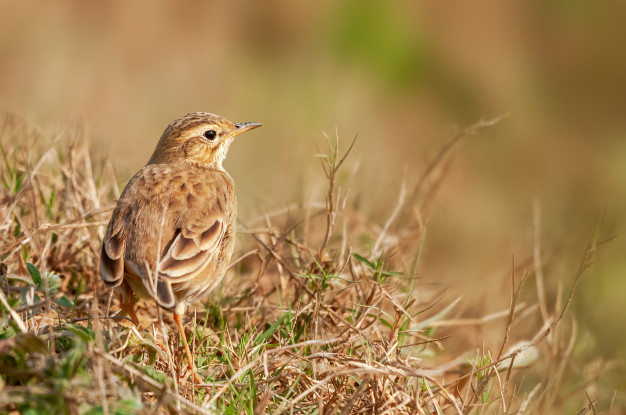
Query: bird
x,y
171,234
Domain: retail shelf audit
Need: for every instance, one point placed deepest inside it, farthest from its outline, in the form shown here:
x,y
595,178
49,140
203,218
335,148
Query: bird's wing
x,y
114,243
194,245
112,259
194,225
191,249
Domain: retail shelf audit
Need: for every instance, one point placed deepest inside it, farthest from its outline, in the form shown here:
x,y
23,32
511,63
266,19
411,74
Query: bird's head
x,y
198,138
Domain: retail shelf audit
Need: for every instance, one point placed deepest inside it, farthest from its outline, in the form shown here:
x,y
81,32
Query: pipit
x,y
171,235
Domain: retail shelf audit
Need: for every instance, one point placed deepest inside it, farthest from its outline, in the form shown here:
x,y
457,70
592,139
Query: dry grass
x,y
323,311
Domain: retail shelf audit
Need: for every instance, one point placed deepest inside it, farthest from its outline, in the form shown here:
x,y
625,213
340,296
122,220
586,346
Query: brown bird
x,y
171,235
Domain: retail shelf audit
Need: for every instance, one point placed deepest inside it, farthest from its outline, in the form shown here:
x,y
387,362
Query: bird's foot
x,y
196,378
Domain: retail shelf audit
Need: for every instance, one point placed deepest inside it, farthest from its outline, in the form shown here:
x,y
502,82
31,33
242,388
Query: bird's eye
x,y
210,134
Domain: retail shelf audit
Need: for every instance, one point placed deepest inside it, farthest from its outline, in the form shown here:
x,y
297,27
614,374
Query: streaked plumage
x,y
172,232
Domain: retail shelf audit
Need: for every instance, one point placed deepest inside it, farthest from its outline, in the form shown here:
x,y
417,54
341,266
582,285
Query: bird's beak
x,y
242,127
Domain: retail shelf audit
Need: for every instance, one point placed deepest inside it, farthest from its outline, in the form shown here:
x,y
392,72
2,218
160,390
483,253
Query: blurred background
x,y
400,75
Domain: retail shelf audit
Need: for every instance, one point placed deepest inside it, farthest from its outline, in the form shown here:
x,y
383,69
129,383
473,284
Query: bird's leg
x,y
129,308
192,364
128,305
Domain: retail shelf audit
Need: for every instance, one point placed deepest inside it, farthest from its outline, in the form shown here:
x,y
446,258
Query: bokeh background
x,y
400,75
